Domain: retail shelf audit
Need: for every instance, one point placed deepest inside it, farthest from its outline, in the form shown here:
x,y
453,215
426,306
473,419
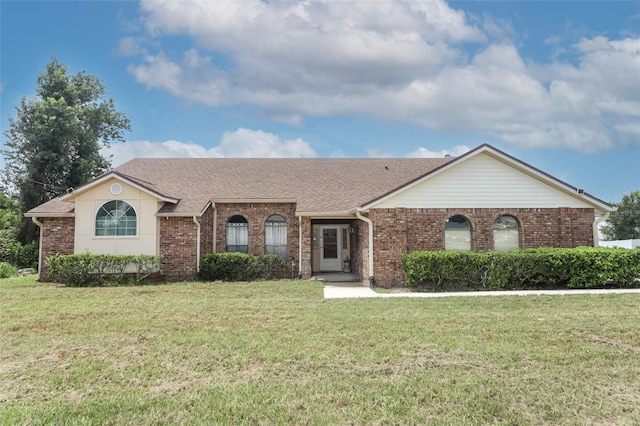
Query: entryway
x,y
330,248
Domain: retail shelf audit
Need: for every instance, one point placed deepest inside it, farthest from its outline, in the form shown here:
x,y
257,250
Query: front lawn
x,y
277,353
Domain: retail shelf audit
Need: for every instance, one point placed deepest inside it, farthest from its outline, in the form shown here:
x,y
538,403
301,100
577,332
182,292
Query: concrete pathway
x,y
335,290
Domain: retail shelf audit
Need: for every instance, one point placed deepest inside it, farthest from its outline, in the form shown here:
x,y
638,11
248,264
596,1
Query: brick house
x,y
319,214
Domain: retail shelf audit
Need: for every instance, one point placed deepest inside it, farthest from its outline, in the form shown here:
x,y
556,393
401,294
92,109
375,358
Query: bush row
x,y
239,266
584,267
93,270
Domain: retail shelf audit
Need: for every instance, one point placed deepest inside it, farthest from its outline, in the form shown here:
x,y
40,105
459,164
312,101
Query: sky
x,y
553,83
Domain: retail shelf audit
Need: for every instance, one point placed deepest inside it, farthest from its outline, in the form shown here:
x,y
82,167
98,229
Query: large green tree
x,y
54,141
624,224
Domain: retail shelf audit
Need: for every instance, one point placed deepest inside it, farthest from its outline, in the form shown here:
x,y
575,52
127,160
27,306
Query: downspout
x,y
195,220
299,246
215,227
40,225
372,279
596,224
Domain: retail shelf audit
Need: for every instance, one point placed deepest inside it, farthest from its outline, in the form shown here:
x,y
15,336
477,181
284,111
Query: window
x,y
506,233
457,234
275,236
238,234
116,218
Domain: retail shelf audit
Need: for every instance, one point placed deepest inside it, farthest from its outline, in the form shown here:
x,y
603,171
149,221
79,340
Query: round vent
x,y
116,189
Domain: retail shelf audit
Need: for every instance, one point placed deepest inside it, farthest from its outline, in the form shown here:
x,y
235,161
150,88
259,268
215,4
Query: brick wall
x,y
58,235
399,231
178,236
256,215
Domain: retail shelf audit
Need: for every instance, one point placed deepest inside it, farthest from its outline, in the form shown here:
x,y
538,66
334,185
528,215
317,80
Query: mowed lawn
x,y
276,353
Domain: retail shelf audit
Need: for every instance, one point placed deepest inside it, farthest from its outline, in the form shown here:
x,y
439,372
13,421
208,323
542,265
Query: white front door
x,y
330,255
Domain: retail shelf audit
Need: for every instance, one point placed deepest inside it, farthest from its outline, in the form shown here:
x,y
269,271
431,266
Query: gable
x,y
483,181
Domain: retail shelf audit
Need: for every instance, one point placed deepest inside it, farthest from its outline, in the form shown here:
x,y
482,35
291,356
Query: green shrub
x,y
582,267
20,256
90,270
7,270
238,266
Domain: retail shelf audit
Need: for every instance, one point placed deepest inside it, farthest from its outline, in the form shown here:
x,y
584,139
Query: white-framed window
x,y
275,236
457,234
238,234
116,218
506,233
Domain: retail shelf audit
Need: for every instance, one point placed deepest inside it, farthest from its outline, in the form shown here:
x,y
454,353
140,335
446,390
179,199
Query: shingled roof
x,y
317,185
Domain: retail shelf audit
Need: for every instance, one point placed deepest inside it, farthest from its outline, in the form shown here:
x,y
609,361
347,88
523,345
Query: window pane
x,y
506,235
457,234
238,235
116,218
275,233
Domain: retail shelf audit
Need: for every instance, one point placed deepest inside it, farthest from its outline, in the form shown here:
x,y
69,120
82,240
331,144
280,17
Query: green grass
x,y
277,353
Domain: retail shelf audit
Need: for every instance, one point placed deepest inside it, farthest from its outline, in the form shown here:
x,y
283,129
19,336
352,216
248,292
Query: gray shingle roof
x,y
316,184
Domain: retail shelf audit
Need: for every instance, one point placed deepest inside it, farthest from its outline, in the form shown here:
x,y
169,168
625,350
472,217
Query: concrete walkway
x,y
334,290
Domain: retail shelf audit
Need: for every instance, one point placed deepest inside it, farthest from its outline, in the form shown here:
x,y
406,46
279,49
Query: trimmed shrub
x,y
7,270
238,266
91,270
584,267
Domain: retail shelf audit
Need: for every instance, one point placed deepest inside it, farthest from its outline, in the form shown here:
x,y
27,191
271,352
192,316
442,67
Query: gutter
x,y
370,223
39,225
596,224
195,220
300,247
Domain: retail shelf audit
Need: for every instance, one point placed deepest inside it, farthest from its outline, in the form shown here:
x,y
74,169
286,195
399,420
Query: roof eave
x,y
121,177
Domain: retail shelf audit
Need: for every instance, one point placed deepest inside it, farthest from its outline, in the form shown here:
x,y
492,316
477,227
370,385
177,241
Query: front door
x,y
330,256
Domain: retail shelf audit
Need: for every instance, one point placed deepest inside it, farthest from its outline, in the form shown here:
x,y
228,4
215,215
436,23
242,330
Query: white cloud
x,y
396,61
259,144
422,152
240,143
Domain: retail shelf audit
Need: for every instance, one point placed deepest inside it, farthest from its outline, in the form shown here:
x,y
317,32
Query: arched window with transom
x,y
238,234
457,234
506,233
275,236
116,218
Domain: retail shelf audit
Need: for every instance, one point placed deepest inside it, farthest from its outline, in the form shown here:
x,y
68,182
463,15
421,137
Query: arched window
x,y
275,236
506,233
238,234
457,234
116,218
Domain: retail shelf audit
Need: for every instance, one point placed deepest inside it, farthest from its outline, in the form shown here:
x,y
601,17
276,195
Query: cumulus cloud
x,y
240,143
399,61
422,152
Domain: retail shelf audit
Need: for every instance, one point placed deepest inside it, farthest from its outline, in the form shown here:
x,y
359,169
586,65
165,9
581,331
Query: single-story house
x,y
319,214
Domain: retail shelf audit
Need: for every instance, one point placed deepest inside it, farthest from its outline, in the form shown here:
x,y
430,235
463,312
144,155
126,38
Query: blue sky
x,y
555,84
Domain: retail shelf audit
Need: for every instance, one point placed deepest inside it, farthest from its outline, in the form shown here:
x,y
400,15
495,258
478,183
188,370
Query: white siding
x,y
482,181
86,206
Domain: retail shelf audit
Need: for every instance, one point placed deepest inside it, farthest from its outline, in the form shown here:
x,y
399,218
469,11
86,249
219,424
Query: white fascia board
x,y
326,215
49,214
252,200
111,175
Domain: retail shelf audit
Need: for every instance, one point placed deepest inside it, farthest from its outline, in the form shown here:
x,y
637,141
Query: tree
x,y
54,142
624,224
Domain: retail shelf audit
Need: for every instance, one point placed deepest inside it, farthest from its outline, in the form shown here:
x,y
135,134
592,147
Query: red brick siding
x,y
257,215
360,250
399,231
307,235
58,237
178,236
206,232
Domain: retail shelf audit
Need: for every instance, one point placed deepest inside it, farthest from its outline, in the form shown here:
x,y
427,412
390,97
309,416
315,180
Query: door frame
x,y
331,264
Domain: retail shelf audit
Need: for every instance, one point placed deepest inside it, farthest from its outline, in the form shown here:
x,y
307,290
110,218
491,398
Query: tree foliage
x,y
624,224
54,141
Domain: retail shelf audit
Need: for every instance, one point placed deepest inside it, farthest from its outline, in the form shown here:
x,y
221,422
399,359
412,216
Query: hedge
x,y
7,270
94,270
238,266
584,267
